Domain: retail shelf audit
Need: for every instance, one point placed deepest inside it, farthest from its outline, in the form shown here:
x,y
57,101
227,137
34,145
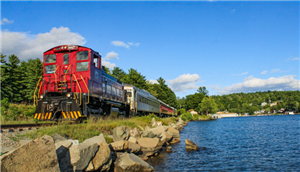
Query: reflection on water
x,y
263,143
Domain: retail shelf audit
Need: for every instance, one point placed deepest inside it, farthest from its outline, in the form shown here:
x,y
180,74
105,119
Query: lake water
x,y
261,143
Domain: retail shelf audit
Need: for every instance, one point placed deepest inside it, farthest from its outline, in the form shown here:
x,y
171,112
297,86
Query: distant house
x,y
273,104
192,111
263,104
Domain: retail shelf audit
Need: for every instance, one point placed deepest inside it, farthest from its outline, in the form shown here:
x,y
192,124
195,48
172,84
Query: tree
x,y
106,70
208,105
203,91
192,101
135,78
12,77
118,73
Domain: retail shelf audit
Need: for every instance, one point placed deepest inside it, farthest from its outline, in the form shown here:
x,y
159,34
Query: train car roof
x,y
70,45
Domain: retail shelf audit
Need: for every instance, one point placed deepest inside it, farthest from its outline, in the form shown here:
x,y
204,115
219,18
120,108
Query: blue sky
x,y
228,47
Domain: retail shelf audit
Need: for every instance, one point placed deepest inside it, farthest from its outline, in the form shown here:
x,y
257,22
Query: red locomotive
x,y
74,86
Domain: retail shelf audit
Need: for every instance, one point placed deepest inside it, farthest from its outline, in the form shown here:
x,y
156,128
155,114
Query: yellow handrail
x,y
40,89
34,96
55,75
67,72
87,89
79,89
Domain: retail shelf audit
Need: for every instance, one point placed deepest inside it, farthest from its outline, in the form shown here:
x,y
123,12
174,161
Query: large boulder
x,y
131,163
148,134
5,149
149,146
133,147
121,133
63,155
175,135
37,155
135,133
160,132
102,160
153,123
58,138
120,145
82,154
189,145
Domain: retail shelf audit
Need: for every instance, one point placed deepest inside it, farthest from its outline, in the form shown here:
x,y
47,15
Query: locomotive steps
x,y
127,151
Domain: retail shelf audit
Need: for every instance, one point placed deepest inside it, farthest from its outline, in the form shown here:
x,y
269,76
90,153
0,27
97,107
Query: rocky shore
x,y
128,152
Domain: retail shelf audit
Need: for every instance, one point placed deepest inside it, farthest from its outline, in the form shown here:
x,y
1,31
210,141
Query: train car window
x,y
129,94
108,89
51,58
118,92
104,89
113,90
82,55
140,99
50,69
82,66
66,59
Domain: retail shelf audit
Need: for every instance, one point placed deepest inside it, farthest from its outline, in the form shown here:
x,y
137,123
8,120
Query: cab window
x,y
51,58
50,69
82,66
82,55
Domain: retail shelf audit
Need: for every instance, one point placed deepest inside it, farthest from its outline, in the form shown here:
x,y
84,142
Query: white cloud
x,y
123,44
108,64
27,46
264,72
134,44
111,55
232,11
252,84
6,21
275,70
245,73
215,87
296,58
184,82
153,81
120,44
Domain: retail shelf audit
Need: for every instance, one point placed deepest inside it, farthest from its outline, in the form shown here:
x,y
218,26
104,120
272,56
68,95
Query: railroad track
x,y
22,127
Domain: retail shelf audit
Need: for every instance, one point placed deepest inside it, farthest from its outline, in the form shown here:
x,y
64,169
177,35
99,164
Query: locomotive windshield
x,y
66,59
51,58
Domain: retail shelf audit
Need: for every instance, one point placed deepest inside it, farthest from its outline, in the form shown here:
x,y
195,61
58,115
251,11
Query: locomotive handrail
x,y
34,96
67,72
87,90
40,88
55,76
79,89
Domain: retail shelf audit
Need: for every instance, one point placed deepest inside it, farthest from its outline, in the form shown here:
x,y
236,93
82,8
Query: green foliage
x,y
135,78
12,112
118,73
208,105
192,101
196,117
187,117
181,111
250,102
203,90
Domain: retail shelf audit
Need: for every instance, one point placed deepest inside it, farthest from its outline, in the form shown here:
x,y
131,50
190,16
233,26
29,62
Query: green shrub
x,y
187,117
181,111
195,117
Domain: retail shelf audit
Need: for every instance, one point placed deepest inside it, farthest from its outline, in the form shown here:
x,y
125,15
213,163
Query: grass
x,y
94,127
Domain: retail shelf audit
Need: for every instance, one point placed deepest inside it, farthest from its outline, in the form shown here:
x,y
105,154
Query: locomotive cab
x,y
74,86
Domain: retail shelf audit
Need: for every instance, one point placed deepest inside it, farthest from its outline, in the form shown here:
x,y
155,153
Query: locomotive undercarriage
x,y
57,106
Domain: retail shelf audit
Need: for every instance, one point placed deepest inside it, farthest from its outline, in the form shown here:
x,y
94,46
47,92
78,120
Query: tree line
x,y
241,103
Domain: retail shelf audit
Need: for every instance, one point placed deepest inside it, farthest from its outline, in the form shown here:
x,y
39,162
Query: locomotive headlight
x,y
41,96
69,95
